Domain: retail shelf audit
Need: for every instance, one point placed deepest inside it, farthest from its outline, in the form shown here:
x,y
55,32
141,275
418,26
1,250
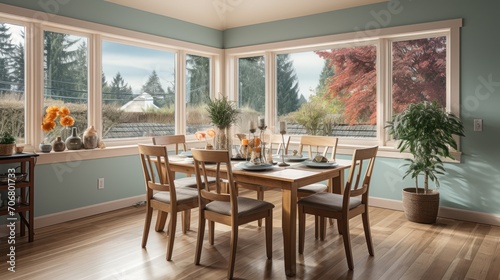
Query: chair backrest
x,y
275,142
171,140
356,185
319,145
155,166
222,161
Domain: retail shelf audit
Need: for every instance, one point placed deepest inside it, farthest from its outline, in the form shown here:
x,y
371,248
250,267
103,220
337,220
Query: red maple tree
x,y
418,73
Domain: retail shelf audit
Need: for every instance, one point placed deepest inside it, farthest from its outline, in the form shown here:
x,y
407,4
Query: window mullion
x,y
95,83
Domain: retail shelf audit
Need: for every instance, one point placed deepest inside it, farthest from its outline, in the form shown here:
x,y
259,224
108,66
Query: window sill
x,y
127,150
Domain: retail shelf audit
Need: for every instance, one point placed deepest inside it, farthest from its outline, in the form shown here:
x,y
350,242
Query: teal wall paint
x,y
473,184
70,185
100,11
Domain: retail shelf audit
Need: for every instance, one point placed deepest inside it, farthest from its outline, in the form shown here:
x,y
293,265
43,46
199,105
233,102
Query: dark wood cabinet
x,y
23,205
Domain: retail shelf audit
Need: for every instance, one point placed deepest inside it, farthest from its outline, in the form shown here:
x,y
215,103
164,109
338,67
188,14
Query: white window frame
x,y
382,39
36,22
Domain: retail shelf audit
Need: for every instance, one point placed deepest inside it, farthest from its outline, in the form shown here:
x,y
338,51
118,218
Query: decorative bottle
x,y
74,142
58,145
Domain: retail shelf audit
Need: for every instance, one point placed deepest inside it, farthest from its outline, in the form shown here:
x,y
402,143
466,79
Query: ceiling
x,y
224,14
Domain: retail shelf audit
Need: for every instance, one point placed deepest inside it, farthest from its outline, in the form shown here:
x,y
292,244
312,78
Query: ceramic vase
x,y
45,148
58,145
74,142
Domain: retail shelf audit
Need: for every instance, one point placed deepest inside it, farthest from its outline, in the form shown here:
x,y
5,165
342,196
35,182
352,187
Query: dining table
x,y
288,179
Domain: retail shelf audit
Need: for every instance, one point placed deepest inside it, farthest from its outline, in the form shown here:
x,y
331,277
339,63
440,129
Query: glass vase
x,y
223,140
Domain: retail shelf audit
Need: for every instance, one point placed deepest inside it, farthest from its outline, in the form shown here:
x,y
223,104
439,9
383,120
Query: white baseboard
x,y
444,212
73,214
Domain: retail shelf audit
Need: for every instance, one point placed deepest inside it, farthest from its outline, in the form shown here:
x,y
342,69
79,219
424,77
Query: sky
x,y
136,64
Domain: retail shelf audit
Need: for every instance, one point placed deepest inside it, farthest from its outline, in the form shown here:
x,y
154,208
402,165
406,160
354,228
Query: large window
x,y
328,92
66,80
138,91
12,82
349,87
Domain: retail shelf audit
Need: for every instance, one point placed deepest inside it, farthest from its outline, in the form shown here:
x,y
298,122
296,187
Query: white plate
x,y
186,154
251,167
320,164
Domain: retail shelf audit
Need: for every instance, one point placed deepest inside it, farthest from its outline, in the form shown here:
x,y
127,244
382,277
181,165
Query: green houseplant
x,y
426,131
223,114
7,144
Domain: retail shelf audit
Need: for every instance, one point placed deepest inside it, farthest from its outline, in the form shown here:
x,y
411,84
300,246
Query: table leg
x,y
289,225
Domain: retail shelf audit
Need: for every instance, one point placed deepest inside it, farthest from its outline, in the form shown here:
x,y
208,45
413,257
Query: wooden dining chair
x,y
189,182
226,208
162,195
316,145
275,143
352,203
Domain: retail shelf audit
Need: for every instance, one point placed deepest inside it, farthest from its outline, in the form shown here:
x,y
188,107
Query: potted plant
x,y
7,144
426,131
223,113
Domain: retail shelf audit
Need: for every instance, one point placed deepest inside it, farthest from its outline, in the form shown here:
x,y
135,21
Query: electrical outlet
x,y
100,183
478,125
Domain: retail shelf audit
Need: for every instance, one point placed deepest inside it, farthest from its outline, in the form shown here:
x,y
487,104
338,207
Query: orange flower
x,y
211,132
52,109
63,112
50,116
200,135
48,126
66,121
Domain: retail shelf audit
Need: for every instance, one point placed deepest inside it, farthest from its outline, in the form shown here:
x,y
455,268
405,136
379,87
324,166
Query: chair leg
x,y
232,251
269,235
186,220
368,235
199,240
171,235
302,228
161,219
316,226
347,242
260,196
322,228
211,232
147,225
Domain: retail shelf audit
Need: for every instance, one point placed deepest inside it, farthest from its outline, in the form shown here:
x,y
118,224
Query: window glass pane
x,y
65,82
138,91
197,92
251,90
328,92
12,95
418,72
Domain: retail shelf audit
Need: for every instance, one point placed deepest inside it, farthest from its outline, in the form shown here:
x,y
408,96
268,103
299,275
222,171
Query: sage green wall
x,y
70,185
104,12
473,184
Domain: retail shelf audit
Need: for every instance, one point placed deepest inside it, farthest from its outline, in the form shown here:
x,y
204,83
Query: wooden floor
x,y
108,246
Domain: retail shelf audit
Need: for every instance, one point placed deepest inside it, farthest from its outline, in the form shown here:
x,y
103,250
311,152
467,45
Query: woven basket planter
x,y
420,207
7,149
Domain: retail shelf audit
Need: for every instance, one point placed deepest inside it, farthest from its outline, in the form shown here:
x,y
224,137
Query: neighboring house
x,y
141,103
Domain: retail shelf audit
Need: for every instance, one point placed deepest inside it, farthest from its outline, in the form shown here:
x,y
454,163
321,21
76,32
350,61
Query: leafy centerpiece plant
x,y
426,131
223,114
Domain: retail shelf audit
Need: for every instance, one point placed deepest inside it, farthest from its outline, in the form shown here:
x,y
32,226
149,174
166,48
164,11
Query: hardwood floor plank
x,y
108,246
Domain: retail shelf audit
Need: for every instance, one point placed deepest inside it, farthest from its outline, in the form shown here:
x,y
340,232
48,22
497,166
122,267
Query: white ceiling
x,y
224,14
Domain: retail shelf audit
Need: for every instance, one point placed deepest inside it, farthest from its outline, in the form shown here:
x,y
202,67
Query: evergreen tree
x,y
154,88
252,83
287,85
120,92
6,48
198,79
80,70
59,61
18,68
